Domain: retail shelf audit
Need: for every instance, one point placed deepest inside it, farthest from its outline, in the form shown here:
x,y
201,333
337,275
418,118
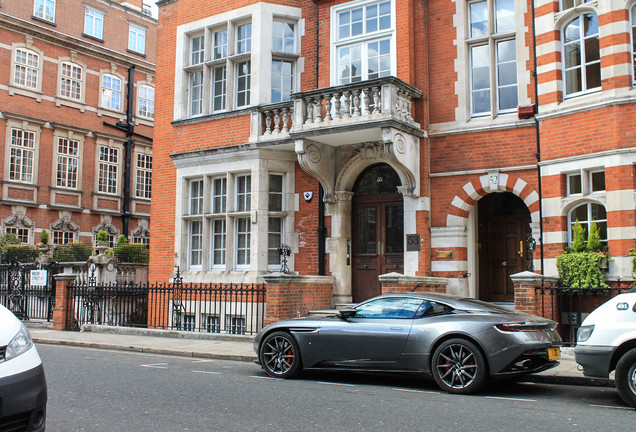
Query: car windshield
x,y
480,305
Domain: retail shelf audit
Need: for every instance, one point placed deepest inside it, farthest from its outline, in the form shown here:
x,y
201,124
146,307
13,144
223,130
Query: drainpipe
x,y
322,230
538,132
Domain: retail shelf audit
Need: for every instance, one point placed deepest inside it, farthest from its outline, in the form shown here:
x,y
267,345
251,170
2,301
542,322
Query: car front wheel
x,y
626,377
458,366
280,355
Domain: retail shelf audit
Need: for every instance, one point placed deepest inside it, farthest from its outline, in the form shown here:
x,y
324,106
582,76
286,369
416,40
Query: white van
x,y
23,392
606,342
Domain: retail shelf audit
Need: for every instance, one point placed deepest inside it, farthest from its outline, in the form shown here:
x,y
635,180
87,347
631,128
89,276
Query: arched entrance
x,y
504,225
378,230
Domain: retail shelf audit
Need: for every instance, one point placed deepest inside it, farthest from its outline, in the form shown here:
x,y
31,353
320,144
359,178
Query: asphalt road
x,y
99,390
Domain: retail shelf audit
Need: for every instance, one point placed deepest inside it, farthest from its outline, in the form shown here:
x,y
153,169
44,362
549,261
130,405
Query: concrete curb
x,y
149,350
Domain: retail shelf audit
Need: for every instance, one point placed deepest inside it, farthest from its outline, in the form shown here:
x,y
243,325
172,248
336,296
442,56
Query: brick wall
x,y
291,296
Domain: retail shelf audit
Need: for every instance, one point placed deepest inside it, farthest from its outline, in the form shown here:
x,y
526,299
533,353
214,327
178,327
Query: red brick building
x,y
65,69
420,140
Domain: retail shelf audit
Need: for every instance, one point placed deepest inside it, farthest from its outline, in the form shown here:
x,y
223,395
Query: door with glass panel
x,y
378,230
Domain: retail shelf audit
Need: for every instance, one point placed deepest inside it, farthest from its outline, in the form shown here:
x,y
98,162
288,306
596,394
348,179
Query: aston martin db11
x,y
461,342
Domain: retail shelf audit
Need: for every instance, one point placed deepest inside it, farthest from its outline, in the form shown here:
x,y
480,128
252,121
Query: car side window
x,y
391,307
429,308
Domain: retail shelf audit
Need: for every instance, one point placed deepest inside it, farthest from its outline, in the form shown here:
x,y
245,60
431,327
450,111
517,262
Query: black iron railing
x,y
27,298
210,308
569,306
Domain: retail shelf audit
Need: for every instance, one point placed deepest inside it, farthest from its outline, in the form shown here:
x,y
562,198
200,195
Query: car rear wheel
x,y
280,355
626,377
458,366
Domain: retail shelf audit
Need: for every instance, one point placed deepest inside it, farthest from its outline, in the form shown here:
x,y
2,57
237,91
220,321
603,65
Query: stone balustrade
x,y
363,104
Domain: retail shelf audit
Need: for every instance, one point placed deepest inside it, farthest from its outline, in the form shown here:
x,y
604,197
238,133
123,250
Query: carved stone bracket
x,y
65,224
19,219
568,203
319,160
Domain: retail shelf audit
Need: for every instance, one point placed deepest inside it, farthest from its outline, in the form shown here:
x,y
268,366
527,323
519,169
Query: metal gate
x,y
28,289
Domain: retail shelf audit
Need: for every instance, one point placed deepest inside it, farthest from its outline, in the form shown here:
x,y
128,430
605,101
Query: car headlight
x,y
20,344
584,333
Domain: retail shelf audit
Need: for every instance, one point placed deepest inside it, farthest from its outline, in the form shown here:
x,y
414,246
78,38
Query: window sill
x,y
215,116
140,54
43,20
72,103
95,38
25,91
144,121
119,115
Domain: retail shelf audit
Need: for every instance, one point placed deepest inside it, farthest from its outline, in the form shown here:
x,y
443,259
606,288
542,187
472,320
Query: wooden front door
x,y
504,225
378,242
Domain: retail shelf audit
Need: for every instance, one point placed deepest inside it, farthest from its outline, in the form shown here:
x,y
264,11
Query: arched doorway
x,y
504,225
378,230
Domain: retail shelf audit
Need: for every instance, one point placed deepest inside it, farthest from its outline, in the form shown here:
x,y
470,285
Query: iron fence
x,y
569,306
28,298
209,308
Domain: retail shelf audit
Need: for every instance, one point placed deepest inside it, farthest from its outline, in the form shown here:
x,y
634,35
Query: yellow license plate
x,y
554,353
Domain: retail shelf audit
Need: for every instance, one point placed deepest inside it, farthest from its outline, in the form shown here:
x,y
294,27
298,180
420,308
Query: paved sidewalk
x,y
237,348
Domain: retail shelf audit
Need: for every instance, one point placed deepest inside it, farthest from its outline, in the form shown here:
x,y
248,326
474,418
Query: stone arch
x,y
466,198
366,155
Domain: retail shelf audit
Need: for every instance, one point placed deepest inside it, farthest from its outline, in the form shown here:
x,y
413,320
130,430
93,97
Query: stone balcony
x,y
340,115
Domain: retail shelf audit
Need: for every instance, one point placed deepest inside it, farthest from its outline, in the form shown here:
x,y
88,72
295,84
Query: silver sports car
x,y
461,342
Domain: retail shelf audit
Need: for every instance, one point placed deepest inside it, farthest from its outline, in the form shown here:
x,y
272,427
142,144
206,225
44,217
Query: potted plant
x,y
102,241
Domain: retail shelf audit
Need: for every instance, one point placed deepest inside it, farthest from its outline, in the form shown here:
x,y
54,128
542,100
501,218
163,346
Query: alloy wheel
x,y
457,366
279,355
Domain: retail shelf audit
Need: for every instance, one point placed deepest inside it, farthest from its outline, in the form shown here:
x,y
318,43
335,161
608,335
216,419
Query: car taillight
x,y
519,327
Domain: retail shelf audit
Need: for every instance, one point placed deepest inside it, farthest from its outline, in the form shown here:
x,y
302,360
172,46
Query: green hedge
x,y
132,253
72,252
20,253
581,269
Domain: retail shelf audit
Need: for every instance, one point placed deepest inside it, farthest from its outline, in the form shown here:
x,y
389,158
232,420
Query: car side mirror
x,y
347,313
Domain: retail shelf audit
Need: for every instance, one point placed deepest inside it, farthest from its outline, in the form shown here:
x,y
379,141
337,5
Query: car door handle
x,y
396,328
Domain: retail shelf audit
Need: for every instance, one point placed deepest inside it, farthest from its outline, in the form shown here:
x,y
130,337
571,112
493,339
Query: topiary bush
x,y
581,269
72,252
632,252
578,237
20,253
132,253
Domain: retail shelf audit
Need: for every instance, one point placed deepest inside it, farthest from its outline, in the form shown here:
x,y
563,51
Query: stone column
x,y
339,247
63,310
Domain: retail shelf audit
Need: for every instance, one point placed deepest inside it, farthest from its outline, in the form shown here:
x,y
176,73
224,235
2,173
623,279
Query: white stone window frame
x,y
110,145
586,182
261,16
24,90
25,126
278,214
585,224
492,39
70,135
65,236
97,14
145,86
562,23
336,43
463,116
143,174
21,233
102,90
632,38
61,100
136,37
230,166
44,5
563,4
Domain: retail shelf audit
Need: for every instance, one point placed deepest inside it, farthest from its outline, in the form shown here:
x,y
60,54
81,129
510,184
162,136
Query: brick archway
x,y
473,191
